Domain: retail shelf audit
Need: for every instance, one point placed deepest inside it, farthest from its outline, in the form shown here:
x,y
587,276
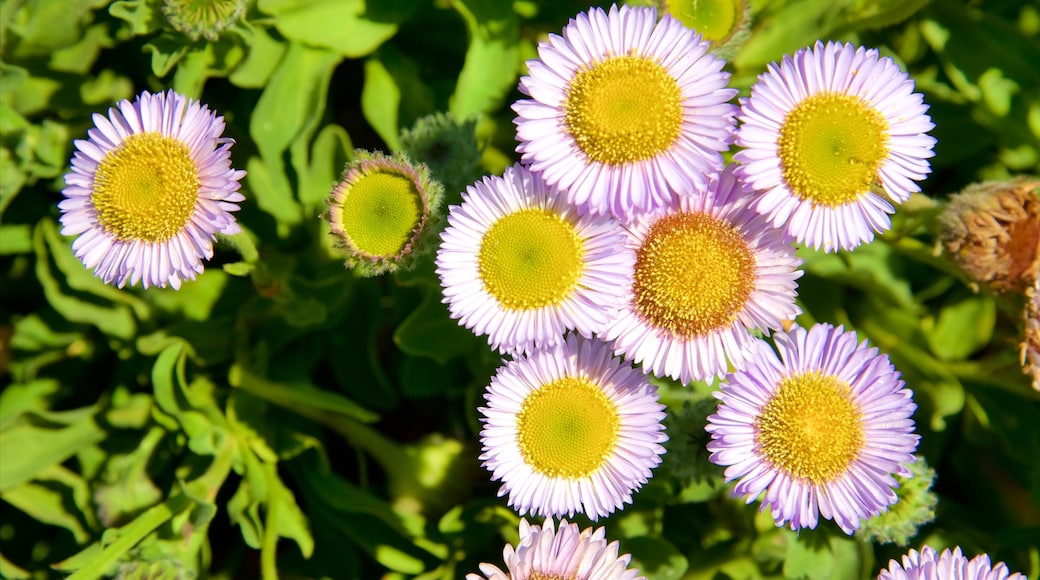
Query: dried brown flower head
x,y
992,231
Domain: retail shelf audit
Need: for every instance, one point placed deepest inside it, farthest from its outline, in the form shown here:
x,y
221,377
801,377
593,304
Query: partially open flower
x,y
914,508
205,18
382,212
992,231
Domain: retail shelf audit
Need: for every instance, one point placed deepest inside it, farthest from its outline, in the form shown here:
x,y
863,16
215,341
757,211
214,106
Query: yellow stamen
x,y
531,259
623,109
567,428
831,147
811,428
693,274
146,188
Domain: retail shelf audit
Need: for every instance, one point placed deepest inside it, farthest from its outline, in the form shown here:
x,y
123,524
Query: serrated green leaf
x,y
166,50
491,66
139,14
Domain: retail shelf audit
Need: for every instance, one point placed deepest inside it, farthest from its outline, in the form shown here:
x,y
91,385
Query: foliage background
x,y
282,416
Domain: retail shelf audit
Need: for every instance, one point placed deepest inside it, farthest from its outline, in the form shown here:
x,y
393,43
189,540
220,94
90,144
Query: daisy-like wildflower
x,y
624,110
382,211
707,272
946,565
149,190
571,429
546,553
519,265
832,137
820,430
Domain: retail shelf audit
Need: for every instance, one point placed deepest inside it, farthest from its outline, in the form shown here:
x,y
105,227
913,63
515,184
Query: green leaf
x,y
15,239
81,279
284,516
58,497
965,326
272,191
263,57
41,27
193,69
491,66
429,331
166,50
298,84
140,14
793,26
299,397
380,99
117,542
41,445
115,321
16,399
819,555
340,25
656,557
331,151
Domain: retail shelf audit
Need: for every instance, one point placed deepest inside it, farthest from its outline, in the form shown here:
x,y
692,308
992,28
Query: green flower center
x,y
207,18
567,428
623,109
693,274
146,188
831,147
380,213
715,20
531,259
811,428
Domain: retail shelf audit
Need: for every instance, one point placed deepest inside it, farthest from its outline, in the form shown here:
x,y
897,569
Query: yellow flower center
x,y
531,259
831,147
623,109
146,188
567,428
811,428
693,274
715,20
380,213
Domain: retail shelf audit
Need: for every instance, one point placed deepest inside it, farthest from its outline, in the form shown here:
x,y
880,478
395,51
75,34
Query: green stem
x,y
269,544
130,535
